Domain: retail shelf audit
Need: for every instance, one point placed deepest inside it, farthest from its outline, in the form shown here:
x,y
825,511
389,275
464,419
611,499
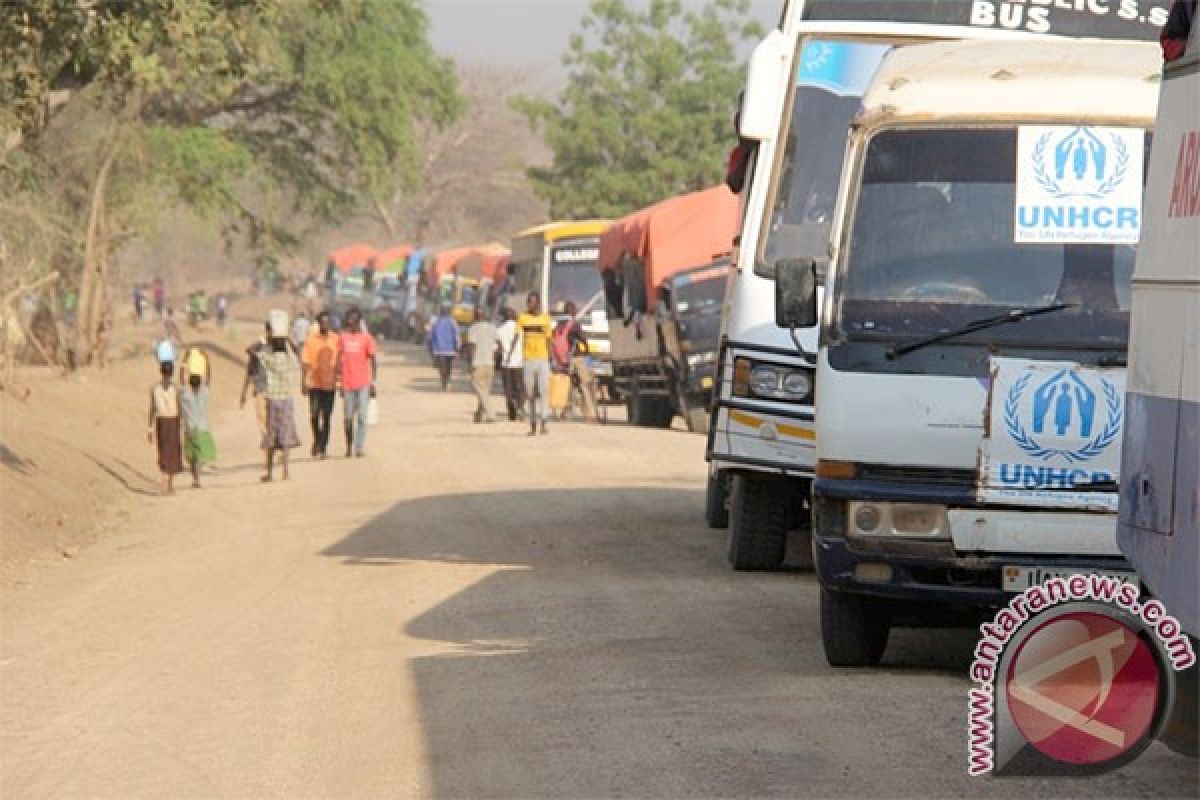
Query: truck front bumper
x,y
967,568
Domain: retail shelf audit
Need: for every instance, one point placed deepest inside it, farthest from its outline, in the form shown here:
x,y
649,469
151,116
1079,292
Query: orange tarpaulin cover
x,y
351,256
686,231
444,263
393,259
485,261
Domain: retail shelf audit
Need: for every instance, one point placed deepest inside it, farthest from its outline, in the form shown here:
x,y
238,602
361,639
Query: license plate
x,y
706,382
1018,579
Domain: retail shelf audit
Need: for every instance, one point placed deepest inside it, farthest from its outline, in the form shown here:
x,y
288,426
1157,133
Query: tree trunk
x,y
386,219
92,288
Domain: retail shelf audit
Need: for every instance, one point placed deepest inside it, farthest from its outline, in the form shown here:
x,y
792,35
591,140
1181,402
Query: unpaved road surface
x,y
468,612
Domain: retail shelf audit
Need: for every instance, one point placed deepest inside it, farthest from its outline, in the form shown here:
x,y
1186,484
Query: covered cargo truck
x,y
664,270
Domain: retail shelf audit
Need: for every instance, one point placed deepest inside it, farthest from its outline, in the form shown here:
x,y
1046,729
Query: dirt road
x,y
467,612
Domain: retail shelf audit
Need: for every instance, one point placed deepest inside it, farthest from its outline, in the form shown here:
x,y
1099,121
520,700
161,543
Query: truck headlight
x,y
699,359
901,520
772,381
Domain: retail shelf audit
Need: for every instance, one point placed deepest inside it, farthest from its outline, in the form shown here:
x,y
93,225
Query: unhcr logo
x,y
1062,410
1079,184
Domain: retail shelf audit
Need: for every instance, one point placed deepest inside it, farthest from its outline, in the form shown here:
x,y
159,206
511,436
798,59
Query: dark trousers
x,y
445,364
320,409
514,390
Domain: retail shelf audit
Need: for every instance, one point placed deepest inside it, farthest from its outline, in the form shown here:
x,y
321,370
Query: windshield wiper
x,y
1014,315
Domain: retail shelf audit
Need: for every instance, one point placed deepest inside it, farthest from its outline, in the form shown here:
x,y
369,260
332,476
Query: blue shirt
x,y
443,337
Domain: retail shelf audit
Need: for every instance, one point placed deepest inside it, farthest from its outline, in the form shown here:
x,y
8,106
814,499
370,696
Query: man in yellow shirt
x,y
537,328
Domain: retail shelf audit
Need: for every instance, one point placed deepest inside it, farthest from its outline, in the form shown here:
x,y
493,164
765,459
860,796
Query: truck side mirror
x,y
796,292
767,82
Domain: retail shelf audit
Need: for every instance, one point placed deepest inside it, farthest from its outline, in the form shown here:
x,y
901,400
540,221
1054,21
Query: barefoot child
x,y
198,445
164,426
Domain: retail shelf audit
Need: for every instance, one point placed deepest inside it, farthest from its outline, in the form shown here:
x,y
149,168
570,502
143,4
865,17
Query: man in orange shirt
x,y
320,381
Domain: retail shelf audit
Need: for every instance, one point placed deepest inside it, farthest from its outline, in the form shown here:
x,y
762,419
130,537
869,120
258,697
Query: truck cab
x,y
970,371
688,316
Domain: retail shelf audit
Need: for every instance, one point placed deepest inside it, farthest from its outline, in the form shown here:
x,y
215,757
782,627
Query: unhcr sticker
x,y
1079,185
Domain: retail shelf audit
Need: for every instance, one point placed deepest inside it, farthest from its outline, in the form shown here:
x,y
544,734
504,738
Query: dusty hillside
x,y
73,448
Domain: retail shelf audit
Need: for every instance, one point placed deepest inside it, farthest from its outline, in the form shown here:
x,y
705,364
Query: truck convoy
x,y
970,372
804,85
665,270
1159,528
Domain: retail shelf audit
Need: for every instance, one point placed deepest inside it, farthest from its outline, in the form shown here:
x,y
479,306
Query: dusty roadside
x,y
73,451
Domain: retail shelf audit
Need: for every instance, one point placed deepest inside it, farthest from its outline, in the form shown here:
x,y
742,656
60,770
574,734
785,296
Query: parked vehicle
x,y
972,344
1159,529
558,260
665,270
804,85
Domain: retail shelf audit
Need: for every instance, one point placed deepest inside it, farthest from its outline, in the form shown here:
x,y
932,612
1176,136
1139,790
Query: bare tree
x,y
470,182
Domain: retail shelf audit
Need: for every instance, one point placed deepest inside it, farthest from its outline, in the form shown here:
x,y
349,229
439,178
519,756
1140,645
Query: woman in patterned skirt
x,y
164,426
283,382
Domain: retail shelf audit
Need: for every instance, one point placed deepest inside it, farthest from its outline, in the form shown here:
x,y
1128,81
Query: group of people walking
x,y
538,360
324,364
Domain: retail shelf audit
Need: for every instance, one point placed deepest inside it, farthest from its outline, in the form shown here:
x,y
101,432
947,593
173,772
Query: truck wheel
x,y
716,500
757,523
854,629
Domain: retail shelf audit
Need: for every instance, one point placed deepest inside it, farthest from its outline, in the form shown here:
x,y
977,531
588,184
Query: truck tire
x,y
716,500
758,521
854,629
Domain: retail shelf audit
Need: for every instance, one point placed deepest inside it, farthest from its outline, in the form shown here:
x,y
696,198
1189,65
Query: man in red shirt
x,y
356,369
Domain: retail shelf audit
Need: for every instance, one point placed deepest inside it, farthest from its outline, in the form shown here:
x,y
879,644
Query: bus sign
x,y
1100,19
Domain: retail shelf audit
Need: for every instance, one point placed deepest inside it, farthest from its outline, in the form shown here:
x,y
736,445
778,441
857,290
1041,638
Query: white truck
x,y
1159,529
804,85
970,373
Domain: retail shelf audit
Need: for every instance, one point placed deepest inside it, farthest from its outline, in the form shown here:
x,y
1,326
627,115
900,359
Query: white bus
x,y
1159,528
804,83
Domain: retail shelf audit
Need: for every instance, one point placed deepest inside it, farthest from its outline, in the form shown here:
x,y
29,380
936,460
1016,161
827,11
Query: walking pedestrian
x,y
300,328
163,426
171,327
283,381
198,446
222,303
256,379
320,381
159,292
580,370
512,365
537,328
481,339
444,344
357,368
139,303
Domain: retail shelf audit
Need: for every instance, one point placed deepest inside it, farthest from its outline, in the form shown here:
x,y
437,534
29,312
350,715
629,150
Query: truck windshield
x,y
574,283
699,297
831,78
932,248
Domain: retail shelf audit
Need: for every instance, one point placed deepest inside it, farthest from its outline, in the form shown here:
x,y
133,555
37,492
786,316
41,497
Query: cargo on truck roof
x,y
678,233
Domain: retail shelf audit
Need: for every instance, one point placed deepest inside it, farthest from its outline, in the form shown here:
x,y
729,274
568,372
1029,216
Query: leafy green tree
x,y
268,115
648,107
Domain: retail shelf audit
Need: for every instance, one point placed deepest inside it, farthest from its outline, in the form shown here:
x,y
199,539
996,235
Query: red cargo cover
x,y
352,255
681,232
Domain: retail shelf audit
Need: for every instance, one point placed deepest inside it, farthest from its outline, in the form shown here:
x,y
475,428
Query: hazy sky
x,y
525,32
